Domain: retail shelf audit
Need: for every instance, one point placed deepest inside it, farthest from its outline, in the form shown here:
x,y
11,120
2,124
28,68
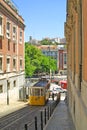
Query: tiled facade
x,y
76,38
11,51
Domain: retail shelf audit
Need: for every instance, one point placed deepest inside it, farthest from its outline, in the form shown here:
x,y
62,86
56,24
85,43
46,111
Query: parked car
x,y
60,90
62,72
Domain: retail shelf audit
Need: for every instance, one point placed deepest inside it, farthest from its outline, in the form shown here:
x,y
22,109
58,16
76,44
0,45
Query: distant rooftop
x,y
12,5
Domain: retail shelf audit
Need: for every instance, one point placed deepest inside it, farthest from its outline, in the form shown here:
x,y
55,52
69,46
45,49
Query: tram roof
x,y
41,83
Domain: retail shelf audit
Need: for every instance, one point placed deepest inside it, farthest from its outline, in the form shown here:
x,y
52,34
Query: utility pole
x,y
7,80
49,63
7,93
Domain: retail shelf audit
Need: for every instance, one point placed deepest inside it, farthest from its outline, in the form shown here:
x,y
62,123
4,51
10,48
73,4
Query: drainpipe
x,y
80,63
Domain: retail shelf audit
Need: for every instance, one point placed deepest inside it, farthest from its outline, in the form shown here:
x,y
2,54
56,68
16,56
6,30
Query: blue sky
x,y
43,18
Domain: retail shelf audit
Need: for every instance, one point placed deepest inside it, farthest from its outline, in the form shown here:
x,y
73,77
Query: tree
x,y
36,61
29,68
46,42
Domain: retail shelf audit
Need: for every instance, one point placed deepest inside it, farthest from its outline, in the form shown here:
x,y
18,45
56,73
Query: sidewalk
x,y
61,118
13,106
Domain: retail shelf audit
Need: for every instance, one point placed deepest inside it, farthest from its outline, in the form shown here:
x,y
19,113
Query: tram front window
x,y
37,92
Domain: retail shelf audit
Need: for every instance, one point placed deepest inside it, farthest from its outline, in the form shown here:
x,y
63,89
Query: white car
x,y
60,90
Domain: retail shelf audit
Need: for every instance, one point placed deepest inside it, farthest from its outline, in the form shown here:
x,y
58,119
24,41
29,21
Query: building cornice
x,y
15,16
72,12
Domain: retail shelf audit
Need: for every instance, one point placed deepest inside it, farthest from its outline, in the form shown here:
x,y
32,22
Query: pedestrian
x,y
53,96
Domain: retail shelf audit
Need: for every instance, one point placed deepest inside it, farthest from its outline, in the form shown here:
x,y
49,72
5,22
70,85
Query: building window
x,y
13,47
14,63
65,58
20,36
14,83
8,64
8,30
44,53
1,89
0,63
1,26
14,33
0,43
8,45
20,63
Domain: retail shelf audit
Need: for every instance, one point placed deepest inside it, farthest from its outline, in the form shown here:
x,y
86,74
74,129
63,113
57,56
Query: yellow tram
x,y
39,92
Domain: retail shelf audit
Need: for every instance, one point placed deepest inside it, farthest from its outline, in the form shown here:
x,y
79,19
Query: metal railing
x,y
41,120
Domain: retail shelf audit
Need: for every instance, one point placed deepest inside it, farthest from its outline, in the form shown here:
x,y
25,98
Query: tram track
x,y
11,119
17,113
17,119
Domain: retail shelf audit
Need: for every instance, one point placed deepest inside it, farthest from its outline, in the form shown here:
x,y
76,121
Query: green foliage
x,y
46,42
36,62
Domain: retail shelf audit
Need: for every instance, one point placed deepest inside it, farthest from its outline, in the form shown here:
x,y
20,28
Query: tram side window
x,y
31,92
42,92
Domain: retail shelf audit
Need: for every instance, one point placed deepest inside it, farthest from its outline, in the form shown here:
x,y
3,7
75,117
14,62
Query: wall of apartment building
x,y
84,9
76,33
15,76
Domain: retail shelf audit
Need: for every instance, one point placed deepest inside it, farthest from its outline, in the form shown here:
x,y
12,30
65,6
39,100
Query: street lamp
x,y
7,89
7,93
49,62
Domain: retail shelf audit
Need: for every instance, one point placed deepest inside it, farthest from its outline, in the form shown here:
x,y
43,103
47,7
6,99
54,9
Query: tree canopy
x,y
36,61
48,42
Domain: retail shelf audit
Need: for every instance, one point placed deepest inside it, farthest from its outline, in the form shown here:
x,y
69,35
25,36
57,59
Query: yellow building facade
x,y
76,39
